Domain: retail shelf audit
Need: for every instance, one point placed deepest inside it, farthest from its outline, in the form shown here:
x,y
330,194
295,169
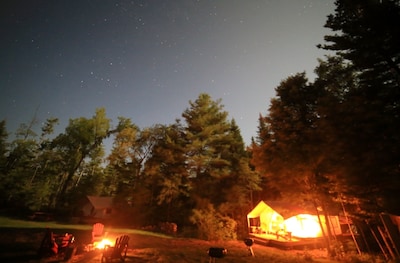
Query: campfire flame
x,y
102,244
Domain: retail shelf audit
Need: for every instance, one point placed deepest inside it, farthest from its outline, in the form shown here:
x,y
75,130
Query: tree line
x,y
186,172
333,141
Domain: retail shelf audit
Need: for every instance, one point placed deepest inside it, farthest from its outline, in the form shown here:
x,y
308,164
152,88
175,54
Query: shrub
x,y
213,226
364,258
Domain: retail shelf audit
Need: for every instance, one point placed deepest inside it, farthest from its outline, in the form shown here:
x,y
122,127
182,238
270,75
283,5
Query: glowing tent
x,y
263,219
304,226
299,222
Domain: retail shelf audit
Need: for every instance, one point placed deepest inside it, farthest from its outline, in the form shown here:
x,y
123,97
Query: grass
x,y
6,222
20,239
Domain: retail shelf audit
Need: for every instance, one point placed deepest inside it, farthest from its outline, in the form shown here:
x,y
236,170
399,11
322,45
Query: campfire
x,y
102,244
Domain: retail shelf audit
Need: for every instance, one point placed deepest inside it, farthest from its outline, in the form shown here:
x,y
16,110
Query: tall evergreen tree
x,y
208,138
167,177
289,149
368,37
367,34
292,149
216,160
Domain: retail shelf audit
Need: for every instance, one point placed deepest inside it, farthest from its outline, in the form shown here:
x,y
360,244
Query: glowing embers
x,y
102,244
303,226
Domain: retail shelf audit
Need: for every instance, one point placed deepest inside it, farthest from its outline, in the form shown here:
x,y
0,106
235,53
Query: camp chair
x,y
97,232
57,245
48,247
118,251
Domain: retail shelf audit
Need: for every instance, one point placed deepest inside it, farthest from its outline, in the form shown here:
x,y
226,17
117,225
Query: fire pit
x,y
102,244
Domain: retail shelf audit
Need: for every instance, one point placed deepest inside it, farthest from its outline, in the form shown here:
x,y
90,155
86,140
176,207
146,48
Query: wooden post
x,y
351,230
379,243
384,237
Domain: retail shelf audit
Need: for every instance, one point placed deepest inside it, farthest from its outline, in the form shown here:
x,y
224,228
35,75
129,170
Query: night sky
x,y
145,60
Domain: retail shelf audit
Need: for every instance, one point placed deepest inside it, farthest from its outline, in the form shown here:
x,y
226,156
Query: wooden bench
x,y
41,216
118,251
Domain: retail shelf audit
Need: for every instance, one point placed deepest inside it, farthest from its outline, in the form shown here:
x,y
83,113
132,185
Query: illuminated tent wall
x,y
302,223
264,220
308,226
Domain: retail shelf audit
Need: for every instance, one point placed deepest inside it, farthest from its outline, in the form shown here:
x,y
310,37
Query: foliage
x,y
213,226
334,139
337,139
132,149
291,151
3,145
367,35
348,116
166,175
217,164
81,140
24,184
43,172
365,258
214,149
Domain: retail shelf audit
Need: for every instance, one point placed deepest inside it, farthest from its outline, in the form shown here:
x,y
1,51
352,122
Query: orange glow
x,y
103,243
304,226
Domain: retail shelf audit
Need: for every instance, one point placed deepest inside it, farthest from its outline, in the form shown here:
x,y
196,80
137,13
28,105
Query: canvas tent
x,y
97,207
263,219
280,216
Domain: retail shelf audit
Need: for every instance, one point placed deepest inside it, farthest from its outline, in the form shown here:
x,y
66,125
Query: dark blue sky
x,y
145,60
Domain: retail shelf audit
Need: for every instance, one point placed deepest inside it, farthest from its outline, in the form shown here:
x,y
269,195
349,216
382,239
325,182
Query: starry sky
x,y
145,60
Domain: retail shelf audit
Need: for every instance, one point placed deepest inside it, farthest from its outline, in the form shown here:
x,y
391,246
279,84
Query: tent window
x,y
255,221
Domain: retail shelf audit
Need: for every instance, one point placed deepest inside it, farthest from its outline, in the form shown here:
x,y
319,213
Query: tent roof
x,y
285,209
100,202
260,207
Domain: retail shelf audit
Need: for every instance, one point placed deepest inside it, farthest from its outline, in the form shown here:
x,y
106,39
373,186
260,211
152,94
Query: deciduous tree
x,y
82,137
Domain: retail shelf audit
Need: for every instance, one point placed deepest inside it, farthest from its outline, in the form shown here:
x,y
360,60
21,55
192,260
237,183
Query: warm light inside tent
x,y
304,226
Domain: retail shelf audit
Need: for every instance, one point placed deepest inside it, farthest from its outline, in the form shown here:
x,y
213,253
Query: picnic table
x,y
41,216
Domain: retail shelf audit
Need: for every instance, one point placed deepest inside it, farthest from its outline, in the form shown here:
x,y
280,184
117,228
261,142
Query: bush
x,y
364,258
213,226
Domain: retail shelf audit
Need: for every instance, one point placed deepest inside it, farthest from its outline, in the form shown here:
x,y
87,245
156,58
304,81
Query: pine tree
x,y
208,143
368,36
217,162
